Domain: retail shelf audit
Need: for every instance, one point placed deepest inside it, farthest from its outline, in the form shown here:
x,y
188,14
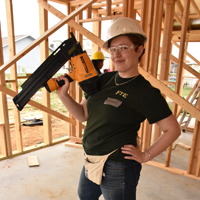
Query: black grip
x,y
62,82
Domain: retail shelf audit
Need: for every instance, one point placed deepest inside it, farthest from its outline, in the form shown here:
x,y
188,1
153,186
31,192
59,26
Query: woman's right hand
x,y
63,91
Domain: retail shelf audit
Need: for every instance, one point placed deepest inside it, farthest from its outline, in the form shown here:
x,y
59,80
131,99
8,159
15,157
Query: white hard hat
x,y
123,26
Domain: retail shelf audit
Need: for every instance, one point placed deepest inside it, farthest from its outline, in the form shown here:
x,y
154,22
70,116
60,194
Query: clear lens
x,y
122,49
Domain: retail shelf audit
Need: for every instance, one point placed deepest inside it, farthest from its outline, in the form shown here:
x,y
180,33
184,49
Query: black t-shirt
x,y
116,112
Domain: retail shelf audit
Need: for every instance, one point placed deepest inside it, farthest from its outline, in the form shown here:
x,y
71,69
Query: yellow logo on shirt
x,y
121,93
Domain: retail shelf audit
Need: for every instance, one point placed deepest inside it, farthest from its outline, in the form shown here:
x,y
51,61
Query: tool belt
x,y
94,167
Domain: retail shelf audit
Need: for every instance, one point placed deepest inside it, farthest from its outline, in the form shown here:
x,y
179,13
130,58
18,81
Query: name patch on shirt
x,y
113,102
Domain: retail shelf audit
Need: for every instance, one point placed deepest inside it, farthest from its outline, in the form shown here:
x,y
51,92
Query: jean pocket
x,y
114,177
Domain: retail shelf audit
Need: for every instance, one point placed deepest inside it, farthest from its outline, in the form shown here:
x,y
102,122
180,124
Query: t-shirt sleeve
x,y
155,106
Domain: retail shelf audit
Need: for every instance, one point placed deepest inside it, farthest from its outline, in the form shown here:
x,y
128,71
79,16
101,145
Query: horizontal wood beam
x,y
64,2
172,169
96,19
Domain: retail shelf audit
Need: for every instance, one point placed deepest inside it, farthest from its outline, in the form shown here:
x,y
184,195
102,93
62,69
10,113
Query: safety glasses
x,y
121,49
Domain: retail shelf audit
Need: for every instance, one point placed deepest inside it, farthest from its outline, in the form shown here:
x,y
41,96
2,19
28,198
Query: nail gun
x,y
81,70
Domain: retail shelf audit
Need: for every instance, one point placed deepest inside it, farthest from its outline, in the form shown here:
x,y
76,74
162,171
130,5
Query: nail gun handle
x,y
62,82
53,84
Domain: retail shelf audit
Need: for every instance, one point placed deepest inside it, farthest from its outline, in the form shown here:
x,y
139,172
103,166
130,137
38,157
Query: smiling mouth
x,y
119,61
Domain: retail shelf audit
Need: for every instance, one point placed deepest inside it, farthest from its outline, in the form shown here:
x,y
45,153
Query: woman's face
x,y
125,62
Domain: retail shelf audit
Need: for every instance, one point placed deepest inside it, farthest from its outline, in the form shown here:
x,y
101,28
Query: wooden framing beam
x,y
108,6
96,29
13,72
64,2
5,138
38,105
155,48
167,36
167,91
171,94
95,19
187,53
195,7
179,7
182,46
172,169
75,25
144,21
45,35
44,54
137,6
79,129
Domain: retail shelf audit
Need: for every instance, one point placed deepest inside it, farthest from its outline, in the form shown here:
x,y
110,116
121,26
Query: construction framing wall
x,y
161,32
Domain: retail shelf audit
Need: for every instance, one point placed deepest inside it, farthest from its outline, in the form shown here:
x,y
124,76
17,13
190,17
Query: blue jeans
x,y
119,183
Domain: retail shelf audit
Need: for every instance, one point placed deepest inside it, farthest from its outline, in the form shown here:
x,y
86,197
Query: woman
x,y
114,115
98,60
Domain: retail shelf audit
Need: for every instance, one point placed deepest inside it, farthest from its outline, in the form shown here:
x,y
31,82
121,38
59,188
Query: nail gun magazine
x,y
81,70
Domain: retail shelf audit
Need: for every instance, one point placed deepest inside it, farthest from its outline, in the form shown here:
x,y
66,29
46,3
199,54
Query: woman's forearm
x,y
170,133
77,110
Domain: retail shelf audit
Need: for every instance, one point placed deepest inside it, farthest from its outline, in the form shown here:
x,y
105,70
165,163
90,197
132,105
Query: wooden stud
x,y
108,7
79,128
179,7
13,72
144,25
96,30
125,8
193,164
44,54
167,36
131,10
5,140
147,130
198,165
89,12
156,35
179,68
149,16
181,53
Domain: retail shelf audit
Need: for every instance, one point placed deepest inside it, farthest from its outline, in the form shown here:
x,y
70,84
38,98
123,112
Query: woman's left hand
x,y
133,153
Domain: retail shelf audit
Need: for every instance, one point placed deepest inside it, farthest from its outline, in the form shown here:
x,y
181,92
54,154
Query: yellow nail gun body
x,y
82,71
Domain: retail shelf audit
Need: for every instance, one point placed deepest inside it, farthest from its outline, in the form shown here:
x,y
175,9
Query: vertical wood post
x,y
180,65
96,30
5,138
44,53
13,71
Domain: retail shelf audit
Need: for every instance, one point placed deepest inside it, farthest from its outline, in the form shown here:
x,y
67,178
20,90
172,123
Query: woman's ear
x,y
140,50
